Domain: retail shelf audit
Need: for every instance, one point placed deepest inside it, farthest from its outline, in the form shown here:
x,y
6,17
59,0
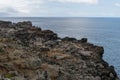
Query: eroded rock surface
x,y
30,53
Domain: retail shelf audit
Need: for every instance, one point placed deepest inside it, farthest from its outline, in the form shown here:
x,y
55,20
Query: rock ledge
x,y
30,53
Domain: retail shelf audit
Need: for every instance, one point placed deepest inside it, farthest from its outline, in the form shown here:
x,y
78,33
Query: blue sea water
x,y
100,31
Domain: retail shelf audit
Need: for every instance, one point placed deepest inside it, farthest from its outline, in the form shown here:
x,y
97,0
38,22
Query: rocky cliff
x,y
30,53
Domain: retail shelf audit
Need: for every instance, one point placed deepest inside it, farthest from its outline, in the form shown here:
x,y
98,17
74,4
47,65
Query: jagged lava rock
x,y
30,53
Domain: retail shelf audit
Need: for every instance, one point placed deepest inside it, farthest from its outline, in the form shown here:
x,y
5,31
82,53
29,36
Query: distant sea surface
x,y
100,31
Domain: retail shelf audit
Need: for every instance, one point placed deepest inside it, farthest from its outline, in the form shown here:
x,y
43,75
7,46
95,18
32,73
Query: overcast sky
x,y
60,8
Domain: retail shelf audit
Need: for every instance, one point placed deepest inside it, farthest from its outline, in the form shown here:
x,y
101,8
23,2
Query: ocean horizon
x,y
102,31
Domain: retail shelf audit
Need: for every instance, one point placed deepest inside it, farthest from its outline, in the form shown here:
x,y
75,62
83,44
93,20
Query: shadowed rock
x,y
68,39
84,40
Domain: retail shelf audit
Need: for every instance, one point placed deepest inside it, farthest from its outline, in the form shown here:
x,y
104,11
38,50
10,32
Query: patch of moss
x,y
9,75
1,51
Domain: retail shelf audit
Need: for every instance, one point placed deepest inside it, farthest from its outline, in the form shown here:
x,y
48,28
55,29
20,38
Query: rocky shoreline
x,y
30,53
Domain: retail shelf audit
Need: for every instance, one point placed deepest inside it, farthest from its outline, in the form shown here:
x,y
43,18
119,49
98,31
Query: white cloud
x,y
77,1
117,4
18,6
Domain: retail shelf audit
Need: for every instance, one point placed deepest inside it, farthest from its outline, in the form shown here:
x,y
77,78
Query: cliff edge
x,y
30,53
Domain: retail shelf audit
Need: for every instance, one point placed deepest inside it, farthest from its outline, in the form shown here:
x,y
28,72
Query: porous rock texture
x,y
30,53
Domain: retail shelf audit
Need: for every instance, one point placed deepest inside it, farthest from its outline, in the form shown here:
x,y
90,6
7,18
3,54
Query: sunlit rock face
x,y
30,53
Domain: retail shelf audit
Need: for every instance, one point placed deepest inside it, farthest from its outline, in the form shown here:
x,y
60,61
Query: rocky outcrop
x,y
30,53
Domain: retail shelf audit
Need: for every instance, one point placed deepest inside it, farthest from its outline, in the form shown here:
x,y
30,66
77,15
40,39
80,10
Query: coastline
x,y
30,51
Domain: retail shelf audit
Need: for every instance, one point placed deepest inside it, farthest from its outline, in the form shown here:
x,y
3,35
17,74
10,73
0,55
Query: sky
x,y
59,8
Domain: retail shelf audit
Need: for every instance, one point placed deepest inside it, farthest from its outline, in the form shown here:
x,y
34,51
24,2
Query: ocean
x,y
99,31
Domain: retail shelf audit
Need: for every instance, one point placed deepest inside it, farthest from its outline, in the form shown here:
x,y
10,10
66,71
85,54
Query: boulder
x,y
25,24
83,40
68,39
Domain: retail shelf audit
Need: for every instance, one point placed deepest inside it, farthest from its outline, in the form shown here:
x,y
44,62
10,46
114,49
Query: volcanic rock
x,y
29,53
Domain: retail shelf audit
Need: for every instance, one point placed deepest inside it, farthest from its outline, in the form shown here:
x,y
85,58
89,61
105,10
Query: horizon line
x,y
58,17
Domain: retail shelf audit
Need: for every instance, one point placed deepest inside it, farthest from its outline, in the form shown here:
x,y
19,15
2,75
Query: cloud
x,y
117,4
18,7
77,1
